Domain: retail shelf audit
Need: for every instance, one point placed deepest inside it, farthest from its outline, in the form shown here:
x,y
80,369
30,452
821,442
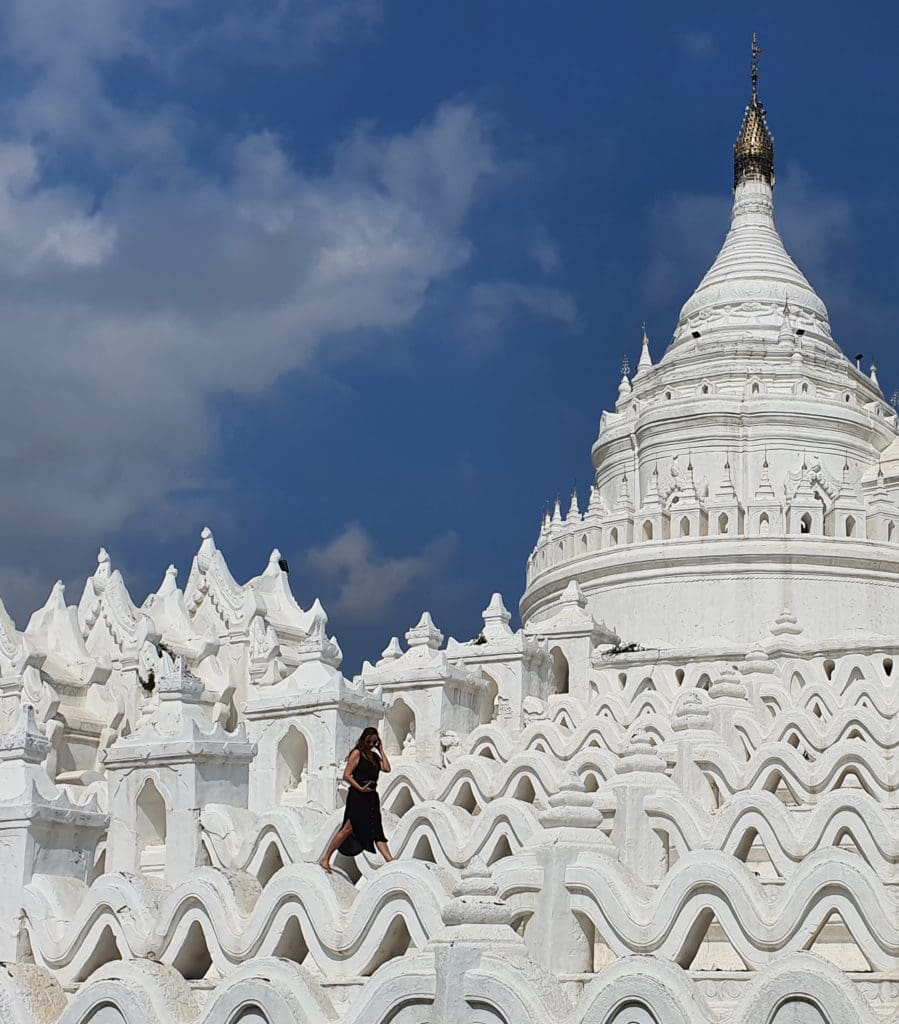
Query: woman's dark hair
x,y
360,743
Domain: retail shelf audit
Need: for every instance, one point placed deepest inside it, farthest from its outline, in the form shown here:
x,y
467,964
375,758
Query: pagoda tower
x,y
753,400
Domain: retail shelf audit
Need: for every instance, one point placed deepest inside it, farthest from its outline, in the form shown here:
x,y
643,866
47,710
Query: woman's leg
x,y
342,834
384,850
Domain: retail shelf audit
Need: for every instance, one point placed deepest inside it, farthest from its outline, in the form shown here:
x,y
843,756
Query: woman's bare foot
x,y
325,866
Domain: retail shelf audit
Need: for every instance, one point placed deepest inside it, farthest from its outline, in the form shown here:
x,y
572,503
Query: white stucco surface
x,y
671,796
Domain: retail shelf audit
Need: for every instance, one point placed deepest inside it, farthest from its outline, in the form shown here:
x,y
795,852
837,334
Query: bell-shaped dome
x,y
753,276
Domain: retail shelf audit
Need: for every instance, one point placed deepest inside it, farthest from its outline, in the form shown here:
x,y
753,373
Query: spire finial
x,y
756,50
754,151
645,358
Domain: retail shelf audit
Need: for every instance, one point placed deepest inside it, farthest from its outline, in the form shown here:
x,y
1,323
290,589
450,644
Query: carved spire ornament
x,y
754,149
645,358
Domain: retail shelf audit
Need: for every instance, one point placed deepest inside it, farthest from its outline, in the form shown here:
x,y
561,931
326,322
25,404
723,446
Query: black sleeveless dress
x,y
363,812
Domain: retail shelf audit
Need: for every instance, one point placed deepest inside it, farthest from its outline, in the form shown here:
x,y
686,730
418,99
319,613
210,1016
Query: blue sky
x,y
354,278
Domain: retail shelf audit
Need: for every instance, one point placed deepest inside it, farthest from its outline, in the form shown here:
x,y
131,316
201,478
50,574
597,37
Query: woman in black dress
x,y
362,828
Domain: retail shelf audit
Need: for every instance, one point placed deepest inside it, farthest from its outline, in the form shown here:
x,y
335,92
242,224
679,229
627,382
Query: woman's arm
x,y
351,765
385,762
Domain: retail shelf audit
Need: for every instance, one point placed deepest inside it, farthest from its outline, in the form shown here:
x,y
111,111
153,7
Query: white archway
x,y
291,765
560,671
487,710
399,727
151,827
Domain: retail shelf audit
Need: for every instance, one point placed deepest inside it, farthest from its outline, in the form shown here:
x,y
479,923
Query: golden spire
x,y
754,150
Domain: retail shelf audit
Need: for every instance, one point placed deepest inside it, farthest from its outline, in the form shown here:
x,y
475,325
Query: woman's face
x,y
372,741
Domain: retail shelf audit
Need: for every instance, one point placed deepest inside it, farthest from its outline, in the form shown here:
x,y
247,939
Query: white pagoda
x,y
670,797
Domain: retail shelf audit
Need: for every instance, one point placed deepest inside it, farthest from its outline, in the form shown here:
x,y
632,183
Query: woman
x,y
362,828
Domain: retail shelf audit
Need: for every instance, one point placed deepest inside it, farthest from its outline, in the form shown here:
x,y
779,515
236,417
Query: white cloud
x,y
545,253
139,284
278,29
367,583
698,43
492,305
62,51
816,226
124,322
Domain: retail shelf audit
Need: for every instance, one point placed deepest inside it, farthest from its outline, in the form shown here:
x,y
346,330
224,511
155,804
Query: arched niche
x,y
399,727
634,1013
251,1015
150,826
798,1011
487,707
559,671
106,1013
291,765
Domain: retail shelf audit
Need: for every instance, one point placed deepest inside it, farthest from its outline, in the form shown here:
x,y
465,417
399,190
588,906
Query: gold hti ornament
x,y
754,149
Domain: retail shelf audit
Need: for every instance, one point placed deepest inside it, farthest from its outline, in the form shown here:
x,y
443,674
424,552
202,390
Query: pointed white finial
x,y
425,634
624,388
574,509
573,595
873,376
318,613
392,651
645,358
785,337
496,619
544,525
624,495
168,585
596,507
